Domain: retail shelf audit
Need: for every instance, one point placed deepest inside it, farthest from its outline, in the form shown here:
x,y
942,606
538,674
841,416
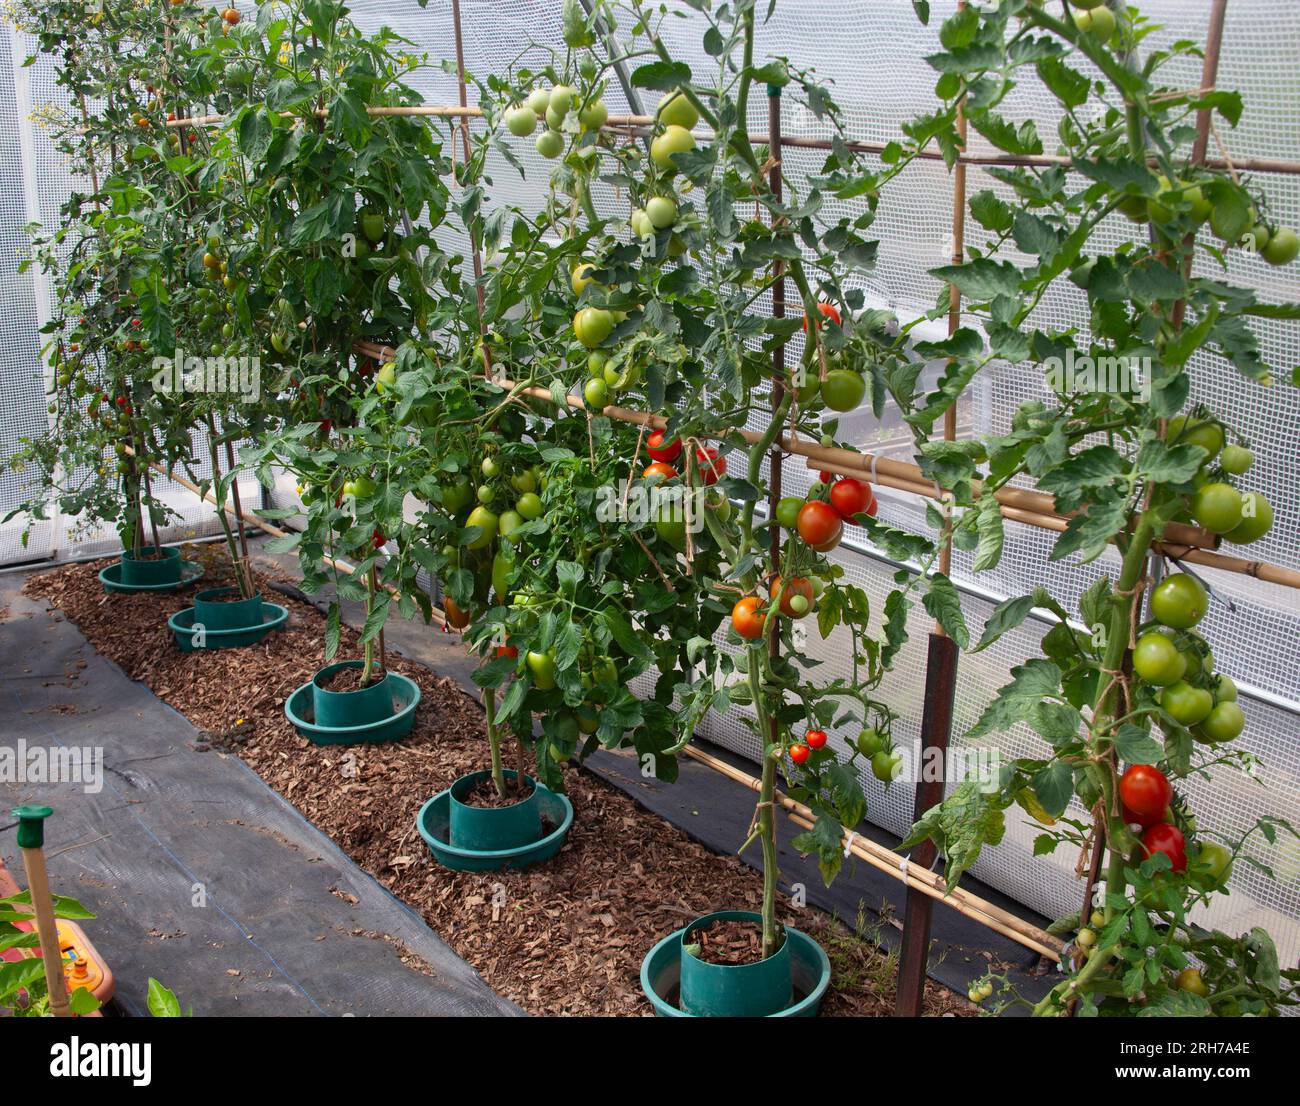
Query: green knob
x,y
31,825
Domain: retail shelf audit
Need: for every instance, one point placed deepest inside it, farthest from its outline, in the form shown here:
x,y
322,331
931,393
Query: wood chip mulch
x,y
566,937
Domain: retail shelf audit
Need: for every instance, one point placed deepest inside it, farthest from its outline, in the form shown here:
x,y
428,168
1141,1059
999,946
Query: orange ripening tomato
x,y
746,618
507,651
796,586
819,523
829,311
457,619
659,468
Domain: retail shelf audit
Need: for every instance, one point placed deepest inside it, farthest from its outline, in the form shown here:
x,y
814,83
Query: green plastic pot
x,y
111,577
492,829
155,570
734,990
806,962
182,626
346,709
299,709
434,824
214,614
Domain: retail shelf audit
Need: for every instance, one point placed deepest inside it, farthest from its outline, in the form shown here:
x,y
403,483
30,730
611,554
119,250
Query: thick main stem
x,y
494,741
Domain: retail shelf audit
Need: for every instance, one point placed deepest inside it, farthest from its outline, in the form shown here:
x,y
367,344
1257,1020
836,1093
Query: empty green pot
x,y
238,614
362,707
756,990
493,828
138,570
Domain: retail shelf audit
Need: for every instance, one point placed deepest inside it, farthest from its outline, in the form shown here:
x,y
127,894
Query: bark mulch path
x,y
566,937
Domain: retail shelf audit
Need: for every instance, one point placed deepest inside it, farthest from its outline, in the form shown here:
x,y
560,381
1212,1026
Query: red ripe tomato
x,y
826,477
1145,791
507,651
815,739
1143,820
379,538
121,401
746,619
819,523
800,753
326,425
659,469
852,497
662,450
712,467
829,311
1168,840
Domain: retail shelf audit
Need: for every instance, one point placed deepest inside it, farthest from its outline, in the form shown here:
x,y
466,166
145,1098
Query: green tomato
x,y
1186,430
1236,460
561,99
1213,861
870,742
542,667
1186,704
1256,520
490,467
787,511
596,394
521,121
502,566
1282,248
588,719
593,116
1225,691
596,364
674,140
671,530
487,521
550,144
640,223
661,211
1224,723
529,506
456,496
1218,507
887,766
538,101
372,224
592,325
386,378
677,111
486,493
1157,660
843,389
1179,601
508,523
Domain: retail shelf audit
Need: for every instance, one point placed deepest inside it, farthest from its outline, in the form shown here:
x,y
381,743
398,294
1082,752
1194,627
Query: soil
x,y
728,941
349,679
570,939
484,794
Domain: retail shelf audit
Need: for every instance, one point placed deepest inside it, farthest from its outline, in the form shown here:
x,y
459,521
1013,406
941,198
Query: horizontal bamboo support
x,y
625,123
896,865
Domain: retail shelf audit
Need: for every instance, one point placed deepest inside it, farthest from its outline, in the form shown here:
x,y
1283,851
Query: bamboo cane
x,y
31,838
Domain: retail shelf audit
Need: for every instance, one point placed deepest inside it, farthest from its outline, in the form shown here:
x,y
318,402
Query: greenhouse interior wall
x,y
880,80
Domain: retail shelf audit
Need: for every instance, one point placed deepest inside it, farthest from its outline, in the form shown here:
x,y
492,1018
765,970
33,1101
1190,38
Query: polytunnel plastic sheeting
x,y
872,53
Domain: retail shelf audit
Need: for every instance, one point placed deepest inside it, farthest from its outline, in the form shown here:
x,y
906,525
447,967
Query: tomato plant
x,y
1122,467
